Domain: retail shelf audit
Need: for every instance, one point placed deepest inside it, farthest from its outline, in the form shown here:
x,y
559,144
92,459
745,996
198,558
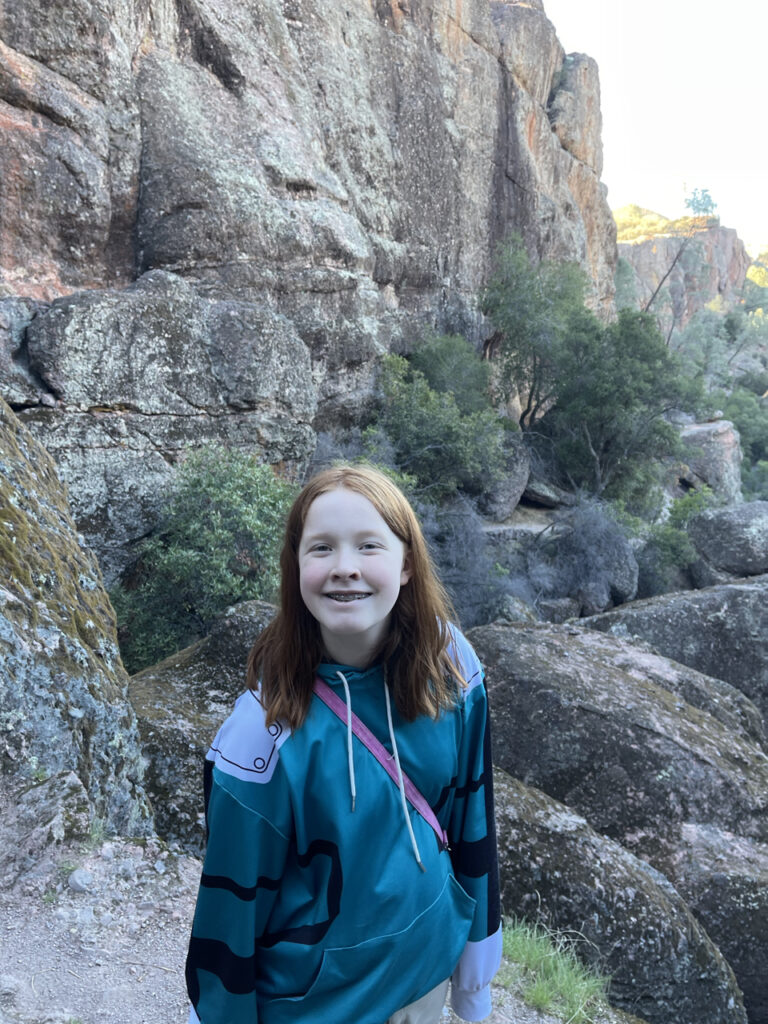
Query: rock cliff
x,y
216,215
713,265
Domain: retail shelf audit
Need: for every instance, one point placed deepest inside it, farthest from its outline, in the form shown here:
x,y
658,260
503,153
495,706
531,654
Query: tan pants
x,y
427,1010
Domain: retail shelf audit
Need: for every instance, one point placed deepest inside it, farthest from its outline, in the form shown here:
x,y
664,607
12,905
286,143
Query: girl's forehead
x,y
342,499
344,507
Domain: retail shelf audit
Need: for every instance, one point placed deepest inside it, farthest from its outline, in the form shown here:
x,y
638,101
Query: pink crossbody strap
x,y
382,755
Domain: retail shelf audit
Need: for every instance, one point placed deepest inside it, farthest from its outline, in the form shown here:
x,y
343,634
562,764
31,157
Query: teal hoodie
x,y
309,911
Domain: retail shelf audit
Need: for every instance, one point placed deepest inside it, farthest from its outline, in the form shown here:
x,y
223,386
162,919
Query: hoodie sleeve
x,y
245,856
472,838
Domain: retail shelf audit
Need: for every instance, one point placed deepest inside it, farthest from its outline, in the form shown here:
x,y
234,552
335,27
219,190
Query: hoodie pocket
x,y
368,982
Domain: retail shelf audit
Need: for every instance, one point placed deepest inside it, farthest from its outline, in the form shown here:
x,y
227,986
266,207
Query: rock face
x,y
635,926
180,705
63,703
721,631
316,186
142,373
713,265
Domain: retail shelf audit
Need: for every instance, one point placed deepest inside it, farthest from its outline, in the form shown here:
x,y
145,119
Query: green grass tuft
x,y
543,967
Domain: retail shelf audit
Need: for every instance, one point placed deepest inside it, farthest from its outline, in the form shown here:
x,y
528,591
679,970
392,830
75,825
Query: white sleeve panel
x,y
471,980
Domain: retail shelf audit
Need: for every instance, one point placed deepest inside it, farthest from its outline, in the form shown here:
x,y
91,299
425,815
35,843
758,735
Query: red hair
x,y
421,674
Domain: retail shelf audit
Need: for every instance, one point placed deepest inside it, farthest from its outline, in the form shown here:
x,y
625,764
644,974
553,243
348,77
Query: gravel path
x,y
97,935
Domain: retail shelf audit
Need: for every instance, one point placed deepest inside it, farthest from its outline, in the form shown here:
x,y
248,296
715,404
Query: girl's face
x,y
351,569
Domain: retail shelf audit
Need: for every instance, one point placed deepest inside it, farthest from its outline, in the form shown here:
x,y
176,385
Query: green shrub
x,y
617,384
668,551
749,414
451,366
429,436
217,543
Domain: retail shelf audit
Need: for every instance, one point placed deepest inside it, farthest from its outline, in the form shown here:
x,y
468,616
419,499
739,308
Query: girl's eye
x,y
321,548
369,545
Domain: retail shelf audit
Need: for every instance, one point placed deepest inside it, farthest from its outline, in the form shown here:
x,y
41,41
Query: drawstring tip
x,y
353,805
421,866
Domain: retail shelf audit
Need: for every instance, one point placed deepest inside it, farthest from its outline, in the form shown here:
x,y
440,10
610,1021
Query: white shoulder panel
x,y
244,746
463,653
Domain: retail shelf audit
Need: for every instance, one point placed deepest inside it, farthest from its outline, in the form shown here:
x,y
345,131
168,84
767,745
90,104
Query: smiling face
x,y
351,569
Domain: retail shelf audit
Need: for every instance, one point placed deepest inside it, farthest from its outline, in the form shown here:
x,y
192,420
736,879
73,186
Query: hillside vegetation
x,y
635,223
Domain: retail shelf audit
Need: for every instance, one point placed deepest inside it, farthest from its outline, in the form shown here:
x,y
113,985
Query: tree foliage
x,y
599,394
217,543
533,307
618,384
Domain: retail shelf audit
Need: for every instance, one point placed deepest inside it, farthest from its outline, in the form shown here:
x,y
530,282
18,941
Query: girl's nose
x,y
345,570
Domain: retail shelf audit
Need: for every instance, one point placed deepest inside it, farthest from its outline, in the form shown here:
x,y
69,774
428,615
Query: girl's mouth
x,y
346,597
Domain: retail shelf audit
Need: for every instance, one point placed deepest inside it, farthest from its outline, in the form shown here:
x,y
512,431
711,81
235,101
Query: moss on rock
x,y
63,686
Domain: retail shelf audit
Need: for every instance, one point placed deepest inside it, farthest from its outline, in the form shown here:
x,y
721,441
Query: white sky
x,y
683,86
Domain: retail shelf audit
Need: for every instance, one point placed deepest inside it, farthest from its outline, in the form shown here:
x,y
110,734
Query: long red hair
x,y
420,672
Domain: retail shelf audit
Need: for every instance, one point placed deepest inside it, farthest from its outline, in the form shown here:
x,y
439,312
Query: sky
x,y
683,100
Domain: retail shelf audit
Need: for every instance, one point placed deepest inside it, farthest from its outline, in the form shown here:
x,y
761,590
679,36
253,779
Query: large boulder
x,y
180,705
501,501
63,700
713,456
733,540
640,746
724,880
635,927
721,631
637,744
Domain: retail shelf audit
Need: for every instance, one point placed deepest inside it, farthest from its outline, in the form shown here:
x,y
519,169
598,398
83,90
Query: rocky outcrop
x,y
63,702
721,631
713,264
713,457
180,705
629,919
320,185
732,540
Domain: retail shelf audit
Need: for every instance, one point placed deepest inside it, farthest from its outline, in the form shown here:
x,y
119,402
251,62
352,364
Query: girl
x,y
330,892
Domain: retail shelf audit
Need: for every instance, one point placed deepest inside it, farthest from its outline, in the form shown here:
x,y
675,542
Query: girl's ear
x,y
407,571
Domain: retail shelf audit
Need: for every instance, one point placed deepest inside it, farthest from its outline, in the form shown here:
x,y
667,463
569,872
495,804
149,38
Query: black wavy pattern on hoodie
x,y
237,973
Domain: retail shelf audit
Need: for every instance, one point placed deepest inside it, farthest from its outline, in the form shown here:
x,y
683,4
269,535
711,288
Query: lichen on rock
x,y
62,684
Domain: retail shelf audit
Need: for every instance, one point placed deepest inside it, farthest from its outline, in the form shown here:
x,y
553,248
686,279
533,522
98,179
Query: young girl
x,y
330,892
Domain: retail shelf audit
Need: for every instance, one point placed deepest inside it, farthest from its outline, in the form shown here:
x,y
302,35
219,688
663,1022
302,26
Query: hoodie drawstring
x,y
350,758
403,800
395,753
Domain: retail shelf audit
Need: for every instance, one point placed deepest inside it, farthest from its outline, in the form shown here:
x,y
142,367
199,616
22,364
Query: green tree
x,y
598,395
701,204
217,543
532,307
618,383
